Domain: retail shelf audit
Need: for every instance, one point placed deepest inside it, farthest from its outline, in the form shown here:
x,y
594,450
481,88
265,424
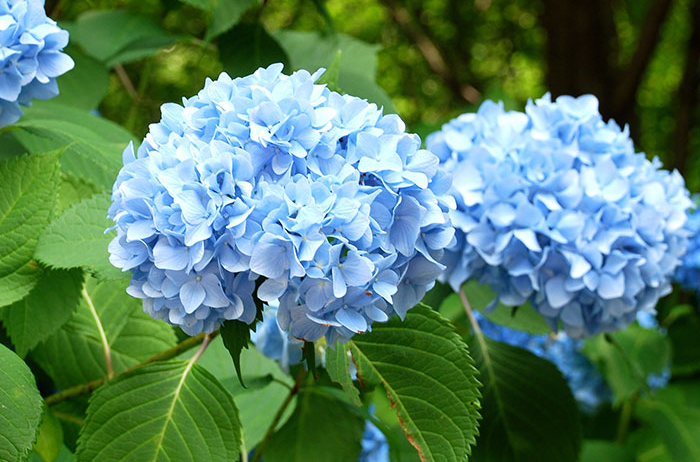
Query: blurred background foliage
x,y
436,58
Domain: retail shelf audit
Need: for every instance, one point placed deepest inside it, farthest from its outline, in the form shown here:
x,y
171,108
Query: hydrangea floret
x,y
555,207
688,273
318,199
31,56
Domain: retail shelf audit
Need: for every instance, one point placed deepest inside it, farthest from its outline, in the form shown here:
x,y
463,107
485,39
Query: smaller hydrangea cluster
x,y
31,56
375,447
275,344
320,199
555,207
586,383
688,274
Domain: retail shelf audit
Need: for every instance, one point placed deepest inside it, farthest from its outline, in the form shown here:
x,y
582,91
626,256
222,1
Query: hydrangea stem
x,y
162,356
278,416
625,419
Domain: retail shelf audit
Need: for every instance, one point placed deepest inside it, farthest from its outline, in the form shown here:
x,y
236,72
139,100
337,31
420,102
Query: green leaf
x,y
429,376
49,305
647,446
338,367
358,64
92,146
604,451
72,190
80,227
523,318
28,195
64,455
674,415
20,407
257,406
247,47
226,13
75,353
49,441
236,336
118,36
629,359
85,85
684,333
330,77
321,428
528,410
172,410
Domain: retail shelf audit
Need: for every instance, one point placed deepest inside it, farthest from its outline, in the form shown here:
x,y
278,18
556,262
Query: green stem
x,y
280,412
625,419
177,350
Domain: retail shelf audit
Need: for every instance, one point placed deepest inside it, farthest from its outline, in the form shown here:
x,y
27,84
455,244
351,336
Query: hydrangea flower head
x,y
555,207
688,274
325,203
31,56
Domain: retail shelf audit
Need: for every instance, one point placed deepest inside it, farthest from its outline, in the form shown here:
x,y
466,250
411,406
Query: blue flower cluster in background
x,y
329,204
688,274
555,207
375,447
275,344
31,56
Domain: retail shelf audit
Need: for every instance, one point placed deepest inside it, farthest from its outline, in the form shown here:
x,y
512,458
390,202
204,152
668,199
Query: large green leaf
x,y
257,405
247,47
321,428
28,195
358,61
118,36
428,374
626,362
92,145
674,415
20,407
80,227
85,85
684,333
47,307
75,353
175,411
529,413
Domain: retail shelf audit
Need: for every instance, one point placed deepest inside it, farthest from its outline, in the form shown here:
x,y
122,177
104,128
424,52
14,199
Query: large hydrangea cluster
x,y
323,201
688,274
30,56
555,207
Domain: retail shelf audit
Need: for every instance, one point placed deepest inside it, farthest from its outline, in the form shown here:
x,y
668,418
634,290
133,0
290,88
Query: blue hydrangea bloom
x,y
688,274
586,383
275,344
325,203
555,207
30,56
375,447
